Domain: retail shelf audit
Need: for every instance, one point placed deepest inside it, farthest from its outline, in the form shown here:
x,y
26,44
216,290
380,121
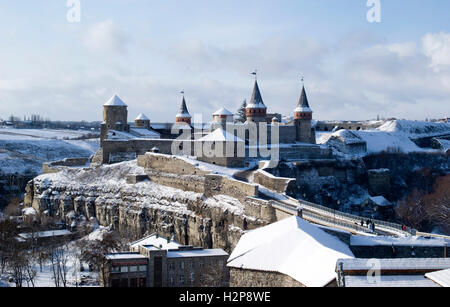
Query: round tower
x,y
222,117
142,121
256,110
115,113
183,115
303,117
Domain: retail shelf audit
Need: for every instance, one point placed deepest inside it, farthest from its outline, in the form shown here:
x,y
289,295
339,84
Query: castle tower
x,y
302,119
115,113
256,110
221,118
183,115
142,121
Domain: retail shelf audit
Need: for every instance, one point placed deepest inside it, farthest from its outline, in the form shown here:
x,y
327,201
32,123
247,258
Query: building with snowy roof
x,y
161,262
405,272
291,252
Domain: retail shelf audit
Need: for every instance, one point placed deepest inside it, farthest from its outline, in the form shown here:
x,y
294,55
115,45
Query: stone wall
x,y
251,278
277,184
221,185
169,164
260,209
55,167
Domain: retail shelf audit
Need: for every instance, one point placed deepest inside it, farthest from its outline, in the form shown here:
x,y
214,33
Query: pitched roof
x,y
220,135
142,117
115,101
303,104
223,111
183,113
292,247
256,102
442,278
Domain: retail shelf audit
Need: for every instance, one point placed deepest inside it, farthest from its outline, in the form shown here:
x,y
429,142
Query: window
x,y
133,283
171,266
182,265
123,269
182,279
115,269
142,268
133,269
192,278
191,264
201,264
171,281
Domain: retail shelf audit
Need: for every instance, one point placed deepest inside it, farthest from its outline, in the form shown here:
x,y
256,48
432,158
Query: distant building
x,y
160,262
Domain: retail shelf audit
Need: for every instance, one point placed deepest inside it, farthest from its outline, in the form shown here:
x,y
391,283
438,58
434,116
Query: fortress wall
x,y
140,147
169,164
55,167
277,184
260,209
182,182
221,185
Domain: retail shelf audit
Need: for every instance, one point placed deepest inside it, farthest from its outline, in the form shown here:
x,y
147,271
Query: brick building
x,y
160,262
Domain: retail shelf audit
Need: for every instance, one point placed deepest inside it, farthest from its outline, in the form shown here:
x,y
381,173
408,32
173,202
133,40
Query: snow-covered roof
x,y
125,256
220,135
303,104
196,253
145,133
45,234
157,241
397,241
223,112
183,112
389,281
142,117
441,278
256,102
406,264
115,101
381,201
292,247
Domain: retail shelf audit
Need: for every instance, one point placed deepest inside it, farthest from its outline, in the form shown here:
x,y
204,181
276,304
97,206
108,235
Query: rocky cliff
x,y
103,193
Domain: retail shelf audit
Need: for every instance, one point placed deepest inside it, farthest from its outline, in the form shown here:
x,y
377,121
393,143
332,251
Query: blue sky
x,y
148,51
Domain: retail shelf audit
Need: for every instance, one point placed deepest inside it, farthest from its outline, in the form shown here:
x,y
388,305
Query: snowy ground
x,y
395,134
23,151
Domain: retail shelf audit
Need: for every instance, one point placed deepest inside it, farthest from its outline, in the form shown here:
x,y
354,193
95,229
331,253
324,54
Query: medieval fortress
x,y
223,142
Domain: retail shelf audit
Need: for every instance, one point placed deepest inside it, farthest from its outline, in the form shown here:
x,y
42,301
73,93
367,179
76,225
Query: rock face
x,y
103,193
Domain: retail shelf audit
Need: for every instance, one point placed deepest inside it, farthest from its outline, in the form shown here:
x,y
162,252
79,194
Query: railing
x,y
341,218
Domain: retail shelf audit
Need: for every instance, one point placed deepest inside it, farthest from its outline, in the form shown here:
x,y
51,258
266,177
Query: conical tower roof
x,y
256,102
183,113
303,105
115,101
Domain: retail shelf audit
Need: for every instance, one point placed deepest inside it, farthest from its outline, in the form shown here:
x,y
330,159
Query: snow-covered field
x,y
23,151
394,135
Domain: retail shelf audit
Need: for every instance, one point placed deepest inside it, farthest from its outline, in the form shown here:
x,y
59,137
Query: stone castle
x,y
295,139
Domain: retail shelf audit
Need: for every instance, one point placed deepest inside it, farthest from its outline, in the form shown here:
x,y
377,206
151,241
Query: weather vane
x,y
255,73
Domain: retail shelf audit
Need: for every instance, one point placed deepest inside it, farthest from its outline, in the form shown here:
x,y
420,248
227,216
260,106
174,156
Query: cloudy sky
x,y
147,51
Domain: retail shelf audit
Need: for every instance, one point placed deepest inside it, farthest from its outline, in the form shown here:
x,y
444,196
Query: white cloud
x,y
106,37
437,48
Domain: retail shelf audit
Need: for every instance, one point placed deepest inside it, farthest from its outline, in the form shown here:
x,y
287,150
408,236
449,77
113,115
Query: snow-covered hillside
x,y
22,151
393,135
